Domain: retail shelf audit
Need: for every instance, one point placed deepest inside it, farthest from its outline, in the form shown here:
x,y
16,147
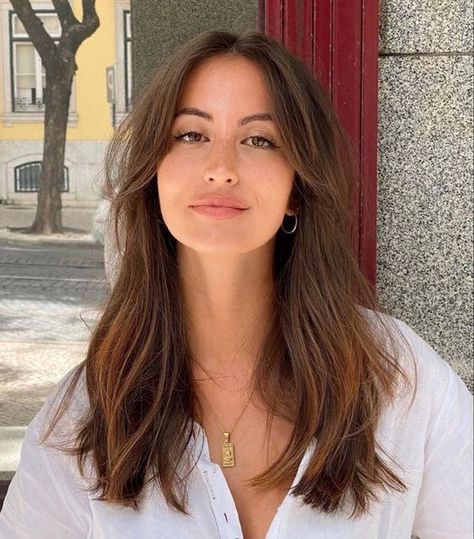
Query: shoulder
x,y
415,355
68,400
437,402
51,436
427,437
48,497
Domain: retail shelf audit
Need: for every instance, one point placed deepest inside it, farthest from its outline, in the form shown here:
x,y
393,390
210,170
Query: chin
x,y
215,249
221,246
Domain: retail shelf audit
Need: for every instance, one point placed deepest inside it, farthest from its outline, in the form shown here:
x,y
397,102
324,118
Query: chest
x,y
222,505
256,508
254,452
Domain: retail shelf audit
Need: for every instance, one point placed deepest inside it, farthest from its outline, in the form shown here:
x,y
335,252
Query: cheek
x,y
171,177
273,184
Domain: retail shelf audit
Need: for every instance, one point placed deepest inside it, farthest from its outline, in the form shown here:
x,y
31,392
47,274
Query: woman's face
x,y
225,146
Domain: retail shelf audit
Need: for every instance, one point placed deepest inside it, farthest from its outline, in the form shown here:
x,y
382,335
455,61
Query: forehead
x,y
226,83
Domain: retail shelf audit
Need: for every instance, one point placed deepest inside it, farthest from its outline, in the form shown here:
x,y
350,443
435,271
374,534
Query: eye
x,y
190,137
258,141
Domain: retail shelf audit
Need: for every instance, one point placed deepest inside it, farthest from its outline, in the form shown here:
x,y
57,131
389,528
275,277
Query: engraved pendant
x,y
228,455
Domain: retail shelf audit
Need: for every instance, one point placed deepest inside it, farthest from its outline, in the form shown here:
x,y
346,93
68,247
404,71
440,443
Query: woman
x,y
242,381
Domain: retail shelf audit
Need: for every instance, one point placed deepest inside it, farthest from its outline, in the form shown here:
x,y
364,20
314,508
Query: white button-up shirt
x,y
431,441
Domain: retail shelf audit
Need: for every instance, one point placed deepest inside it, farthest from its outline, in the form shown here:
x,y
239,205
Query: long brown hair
x,y
322,365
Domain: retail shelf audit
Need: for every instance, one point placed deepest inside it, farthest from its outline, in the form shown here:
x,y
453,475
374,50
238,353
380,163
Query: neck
x,y
228,307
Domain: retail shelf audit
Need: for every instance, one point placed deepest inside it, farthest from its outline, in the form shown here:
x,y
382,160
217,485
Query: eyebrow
x,y
262,116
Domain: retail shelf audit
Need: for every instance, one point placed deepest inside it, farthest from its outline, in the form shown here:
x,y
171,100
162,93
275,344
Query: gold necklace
x,y
227,449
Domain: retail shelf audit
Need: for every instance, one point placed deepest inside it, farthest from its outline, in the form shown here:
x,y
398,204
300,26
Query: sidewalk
x,y
51,288
77,222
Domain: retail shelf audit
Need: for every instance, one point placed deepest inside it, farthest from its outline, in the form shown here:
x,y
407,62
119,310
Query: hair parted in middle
x,y
322,365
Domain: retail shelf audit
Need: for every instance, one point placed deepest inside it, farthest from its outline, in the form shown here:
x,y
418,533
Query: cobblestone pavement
x,y
49,293
50,298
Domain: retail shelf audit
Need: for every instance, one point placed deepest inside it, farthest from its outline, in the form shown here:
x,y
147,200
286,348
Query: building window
x,y
127,36
27,178
28,74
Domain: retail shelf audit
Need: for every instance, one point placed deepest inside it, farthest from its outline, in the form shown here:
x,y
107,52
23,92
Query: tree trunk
x,y
57,97
59,62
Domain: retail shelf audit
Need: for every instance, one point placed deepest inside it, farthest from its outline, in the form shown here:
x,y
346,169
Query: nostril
x,y
228,180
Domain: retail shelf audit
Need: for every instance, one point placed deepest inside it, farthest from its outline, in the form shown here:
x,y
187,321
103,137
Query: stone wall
x,y
425,189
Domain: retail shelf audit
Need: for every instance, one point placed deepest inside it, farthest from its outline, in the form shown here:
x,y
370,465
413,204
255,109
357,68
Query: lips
x,y
217,212
219,200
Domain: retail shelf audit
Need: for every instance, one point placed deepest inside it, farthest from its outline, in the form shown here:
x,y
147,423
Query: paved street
x,y
51,290
44,290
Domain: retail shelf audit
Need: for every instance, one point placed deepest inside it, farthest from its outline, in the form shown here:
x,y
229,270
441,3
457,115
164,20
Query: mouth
x,y
218,212
218,200
216,206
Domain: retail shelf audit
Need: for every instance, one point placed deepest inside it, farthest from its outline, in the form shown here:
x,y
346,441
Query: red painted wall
x,y
339,40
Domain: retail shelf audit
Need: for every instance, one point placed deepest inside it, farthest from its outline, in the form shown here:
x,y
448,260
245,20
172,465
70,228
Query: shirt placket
x,y
220,499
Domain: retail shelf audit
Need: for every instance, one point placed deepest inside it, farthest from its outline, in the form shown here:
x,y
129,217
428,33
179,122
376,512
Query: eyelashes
x,y
192,134
263,140
194,137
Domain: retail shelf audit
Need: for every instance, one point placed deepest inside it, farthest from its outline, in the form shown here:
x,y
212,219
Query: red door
x,y
339,40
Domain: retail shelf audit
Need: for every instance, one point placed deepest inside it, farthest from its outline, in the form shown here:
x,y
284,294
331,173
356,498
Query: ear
x,y
292,206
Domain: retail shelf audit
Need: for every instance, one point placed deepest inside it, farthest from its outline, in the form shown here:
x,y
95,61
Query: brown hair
x,y
322,365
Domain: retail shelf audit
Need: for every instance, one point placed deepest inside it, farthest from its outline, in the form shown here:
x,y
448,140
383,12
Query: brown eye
x,y
190,136
261,142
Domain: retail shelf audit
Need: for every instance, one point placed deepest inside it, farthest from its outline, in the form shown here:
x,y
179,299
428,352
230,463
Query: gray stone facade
x,y
424,229
425,189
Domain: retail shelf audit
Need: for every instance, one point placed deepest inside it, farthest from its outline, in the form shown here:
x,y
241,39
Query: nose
x,y
221,164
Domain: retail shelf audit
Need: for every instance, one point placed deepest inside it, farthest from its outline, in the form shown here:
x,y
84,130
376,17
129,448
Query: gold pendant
x,y
228,456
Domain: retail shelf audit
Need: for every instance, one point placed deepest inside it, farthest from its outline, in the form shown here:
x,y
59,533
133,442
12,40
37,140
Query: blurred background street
x,y
50,292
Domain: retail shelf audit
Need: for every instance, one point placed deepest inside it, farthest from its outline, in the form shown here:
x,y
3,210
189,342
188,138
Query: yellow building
x,y
90,115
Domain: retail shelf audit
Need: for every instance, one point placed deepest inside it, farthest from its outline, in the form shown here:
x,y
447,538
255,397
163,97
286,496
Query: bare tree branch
x,y
88,10
65,14
77,33
40,38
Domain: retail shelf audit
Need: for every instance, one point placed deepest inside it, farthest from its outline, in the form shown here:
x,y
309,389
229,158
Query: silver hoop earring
x,y
294,226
